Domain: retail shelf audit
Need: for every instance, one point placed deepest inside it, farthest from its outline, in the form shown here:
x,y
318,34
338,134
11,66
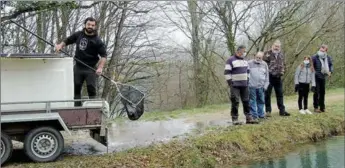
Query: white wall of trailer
x,y
36,79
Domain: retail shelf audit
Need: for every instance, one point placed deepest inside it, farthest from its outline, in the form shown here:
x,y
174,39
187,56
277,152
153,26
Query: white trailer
x,y
37,103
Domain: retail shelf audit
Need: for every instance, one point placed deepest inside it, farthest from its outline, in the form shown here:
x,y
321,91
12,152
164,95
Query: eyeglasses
x,y
258,57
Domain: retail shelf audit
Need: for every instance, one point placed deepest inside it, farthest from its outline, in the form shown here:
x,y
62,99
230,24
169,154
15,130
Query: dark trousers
x,y
277,84
235,94
82,74
303,91
319,95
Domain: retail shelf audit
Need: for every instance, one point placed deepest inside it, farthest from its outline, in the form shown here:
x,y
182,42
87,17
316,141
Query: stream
x,y
325,154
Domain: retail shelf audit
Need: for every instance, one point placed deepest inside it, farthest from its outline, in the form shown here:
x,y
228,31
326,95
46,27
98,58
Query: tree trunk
x,y
192,7
39,24
114,60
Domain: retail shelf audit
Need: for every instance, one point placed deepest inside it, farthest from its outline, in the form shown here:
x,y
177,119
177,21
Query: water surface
x,y
327,154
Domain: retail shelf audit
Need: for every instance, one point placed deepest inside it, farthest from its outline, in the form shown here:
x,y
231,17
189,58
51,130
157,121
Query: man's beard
x,y
276,51
89,30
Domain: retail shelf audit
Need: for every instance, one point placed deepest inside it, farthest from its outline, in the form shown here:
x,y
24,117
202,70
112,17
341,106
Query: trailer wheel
x,y
6,147
43,144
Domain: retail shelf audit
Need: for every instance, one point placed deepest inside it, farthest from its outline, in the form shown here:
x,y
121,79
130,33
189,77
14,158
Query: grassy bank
x,y
224,146
164,115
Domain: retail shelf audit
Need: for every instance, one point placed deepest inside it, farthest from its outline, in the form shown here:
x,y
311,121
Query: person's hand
x,y
329,74
296,87
313,89
99,71
229,83
58,47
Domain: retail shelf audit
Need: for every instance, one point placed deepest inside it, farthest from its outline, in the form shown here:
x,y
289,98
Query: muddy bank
x,y
127,134
221,146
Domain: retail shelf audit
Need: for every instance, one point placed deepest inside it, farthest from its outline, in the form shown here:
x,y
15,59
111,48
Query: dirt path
x,y
290,105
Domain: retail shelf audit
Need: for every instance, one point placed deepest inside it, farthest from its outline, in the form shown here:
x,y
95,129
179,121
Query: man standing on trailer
x,y
89,47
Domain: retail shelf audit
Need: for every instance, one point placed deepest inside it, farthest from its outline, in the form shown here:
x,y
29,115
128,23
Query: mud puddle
x,y
131,134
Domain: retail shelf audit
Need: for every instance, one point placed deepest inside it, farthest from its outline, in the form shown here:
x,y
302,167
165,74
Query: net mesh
x,y
128,101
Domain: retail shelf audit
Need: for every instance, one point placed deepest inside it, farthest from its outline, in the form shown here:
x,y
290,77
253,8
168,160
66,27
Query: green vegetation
x,y
223,146
159,115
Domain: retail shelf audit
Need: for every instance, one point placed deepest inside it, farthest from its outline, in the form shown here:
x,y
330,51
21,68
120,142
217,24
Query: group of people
x,y
252,81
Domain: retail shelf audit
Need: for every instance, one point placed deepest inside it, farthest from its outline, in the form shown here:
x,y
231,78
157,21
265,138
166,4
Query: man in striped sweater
x,y
236,74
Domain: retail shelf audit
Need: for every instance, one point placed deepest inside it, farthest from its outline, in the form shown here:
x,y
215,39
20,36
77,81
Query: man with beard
x,y
88,49
275,61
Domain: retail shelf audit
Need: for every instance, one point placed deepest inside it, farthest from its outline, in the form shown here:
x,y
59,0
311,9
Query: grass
x,y
166,115
158,115
222,146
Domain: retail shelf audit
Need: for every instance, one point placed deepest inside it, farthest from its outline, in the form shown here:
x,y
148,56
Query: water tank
x,y
36,77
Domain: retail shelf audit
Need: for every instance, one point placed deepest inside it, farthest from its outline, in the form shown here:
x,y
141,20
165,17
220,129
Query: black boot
x,y
284,113
236,122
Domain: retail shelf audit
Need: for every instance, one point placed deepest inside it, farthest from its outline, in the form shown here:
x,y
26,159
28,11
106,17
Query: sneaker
x,y
322,110
302,111
316,110
307,111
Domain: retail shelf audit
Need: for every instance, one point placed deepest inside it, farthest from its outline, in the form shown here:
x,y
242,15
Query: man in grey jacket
x,y
258,83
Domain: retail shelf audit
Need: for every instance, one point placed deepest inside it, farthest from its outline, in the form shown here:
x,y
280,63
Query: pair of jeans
x,y
257,102
237,92
82,74
277,84
319,95
303,91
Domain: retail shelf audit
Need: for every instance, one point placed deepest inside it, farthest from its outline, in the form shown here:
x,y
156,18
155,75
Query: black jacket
x,y
87,47
317,66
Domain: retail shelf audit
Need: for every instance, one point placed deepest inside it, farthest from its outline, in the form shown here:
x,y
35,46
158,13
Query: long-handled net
x,y
131,98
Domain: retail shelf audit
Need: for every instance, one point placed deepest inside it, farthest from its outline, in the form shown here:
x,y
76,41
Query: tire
x,y
8,148
48,152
